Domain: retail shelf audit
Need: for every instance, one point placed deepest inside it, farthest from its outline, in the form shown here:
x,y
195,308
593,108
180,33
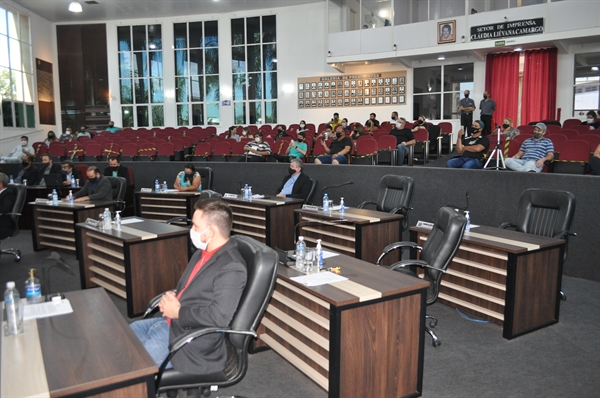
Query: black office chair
x,y
313,191
435,256
395,196
206,176
119,186
13,217
546,213
261,263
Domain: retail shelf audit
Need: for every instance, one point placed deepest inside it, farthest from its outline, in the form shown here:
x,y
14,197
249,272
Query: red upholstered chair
x,y
39,149
526,129
57,150
93,152
83,168
237,151
573,156
580,128
166,151
74,150
146,150
556,138
386,149
221,152
110,149
179,148
366,151
130,151
419,151
567,124
571,134
202,152
592,139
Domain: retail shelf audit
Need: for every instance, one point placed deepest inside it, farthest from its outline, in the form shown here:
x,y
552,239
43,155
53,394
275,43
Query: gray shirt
x,y
487,107
467,103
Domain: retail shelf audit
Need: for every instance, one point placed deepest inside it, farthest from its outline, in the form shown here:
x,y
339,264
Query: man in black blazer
x,y
68,171
296,185
28,173
207,295
49,168
115,169
7,201
95,188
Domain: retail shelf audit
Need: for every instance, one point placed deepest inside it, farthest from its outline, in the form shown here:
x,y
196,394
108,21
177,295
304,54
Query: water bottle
x,y
118,221
165,186
325,203
33,289
70,197
12,180
342,206
300,250
156,186
468,225
14,310
245,192
319,254
72,181
249,193
106,219
54,198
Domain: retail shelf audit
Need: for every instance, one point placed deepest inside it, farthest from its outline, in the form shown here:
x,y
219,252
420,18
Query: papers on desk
x,y
319,278
258,196
132,220
327,254
45,310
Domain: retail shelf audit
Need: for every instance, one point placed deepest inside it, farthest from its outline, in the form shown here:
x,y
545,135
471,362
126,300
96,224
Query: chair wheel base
x,y
563,296
14,252
436,343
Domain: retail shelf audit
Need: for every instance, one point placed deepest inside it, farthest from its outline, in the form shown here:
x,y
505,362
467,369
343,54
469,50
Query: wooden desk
x,y
137,263
35,192
87,352
358,338
54,226
164,206
363,234
507,277
269,220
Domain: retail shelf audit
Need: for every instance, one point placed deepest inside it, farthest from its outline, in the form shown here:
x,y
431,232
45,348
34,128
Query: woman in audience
x,y
188,179
420,124
302,127
369,127
246,133
592,120
51,138
232,133
508,130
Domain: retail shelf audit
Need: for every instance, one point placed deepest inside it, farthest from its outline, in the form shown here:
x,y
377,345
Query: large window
x,y
16,70
254,66
438,89
197,73
141,75
586,95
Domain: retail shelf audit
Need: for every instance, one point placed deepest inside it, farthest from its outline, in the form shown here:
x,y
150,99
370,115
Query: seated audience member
x,y
67,135
372,119
472,150
594,163
69,171
346,125
404,139
256,151
207,295
302,127
115,169
394,118
188,179
7,201
51,138
280,133
369,127
48,168
297,184
83,133
592,120
19,152
112,128
420,124
533,152
28,172
335,121
246,133
296,150
232,133
508,130
328,132
338,152
357,132
96,187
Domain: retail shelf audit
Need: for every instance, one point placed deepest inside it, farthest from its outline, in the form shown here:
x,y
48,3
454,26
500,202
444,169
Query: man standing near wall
x,y
466,108
487,107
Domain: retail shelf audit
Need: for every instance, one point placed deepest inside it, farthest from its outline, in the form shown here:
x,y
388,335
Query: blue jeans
x,y
464,162
327,159
522,165
403,150
154,335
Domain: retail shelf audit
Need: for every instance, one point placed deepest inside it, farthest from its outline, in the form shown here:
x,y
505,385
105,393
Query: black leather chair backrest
x,y
544,212
394,191
119,185
210,194
20,196
313,190
261,263
206,176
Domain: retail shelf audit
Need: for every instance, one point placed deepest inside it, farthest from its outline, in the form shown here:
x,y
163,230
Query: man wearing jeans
x,y
337,153
404,139
472,150
534,152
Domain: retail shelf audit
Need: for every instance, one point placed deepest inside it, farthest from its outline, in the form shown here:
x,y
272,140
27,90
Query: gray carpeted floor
x,y
474,360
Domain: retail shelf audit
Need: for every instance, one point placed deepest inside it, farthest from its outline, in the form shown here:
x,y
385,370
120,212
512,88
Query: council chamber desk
x,y
161,207
90,351
269,220
510,278
362,337
39,192
54,226
137,263
359,233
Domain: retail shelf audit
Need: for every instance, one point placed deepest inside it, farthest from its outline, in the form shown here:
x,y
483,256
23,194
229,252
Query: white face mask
x,y
195,236
257,139
343,124
23,143
302,125
590,120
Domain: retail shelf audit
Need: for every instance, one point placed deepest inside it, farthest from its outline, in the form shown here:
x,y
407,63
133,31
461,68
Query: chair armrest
x,y
152,304
402,210
507,225
564,234
10,214
397,245
419,263
363,204
178,219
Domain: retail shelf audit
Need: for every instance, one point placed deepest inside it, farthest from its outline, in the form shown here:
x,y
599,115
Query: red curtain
x,y
539,86
502,81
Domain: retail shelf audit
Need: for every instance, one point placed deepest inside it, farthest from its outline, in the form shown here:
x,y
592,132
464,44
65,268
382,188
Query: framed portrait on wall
x,y
326,102
360,101
394,100
401,90
313,103
326,85
380,101
306,103
320,103
401,99
353,83
367,101
313,86
367,82
394,80
346,101
446,32
301,95
300,104
320,85
300,86
360,83
387,100
326,94
401,80
340,102
353,102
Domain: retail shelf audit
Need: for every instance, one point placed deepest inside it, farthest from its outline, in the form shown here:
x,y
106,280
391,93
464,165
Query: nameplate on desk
x,y
91,222
146,190
424,225
230,196
310,207
42,201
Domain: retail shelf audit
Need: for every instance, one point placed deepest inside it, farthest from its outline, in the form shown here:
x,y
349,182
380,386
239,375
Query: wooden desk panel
x,y
164,206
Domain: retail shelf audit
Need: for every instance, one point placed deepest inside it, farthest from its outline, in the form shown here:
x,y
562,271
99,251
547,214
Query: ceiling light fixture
x,y
518,49
75,6
441,58
594,68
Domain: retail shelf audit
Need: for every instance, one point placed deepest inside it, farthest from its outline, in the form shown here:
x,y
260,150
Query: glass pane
x,y
15,54
196,63
523,3
18,85
198,115
3,29
269,29
19,114
181,89
439,9
140,64
211,34
28,87
26,65
155,37
7,85
181,62
254,59
255,113
124,64
455,75
211,57
254,86
487,5
183,115
4,50
271,85
344,15
24,19
195,29
252,30
158,92
12,25
238,59
156,65
270,56
239,87
271,112
197,89
377,14
158,118
141,91
127,116
451,105
126,92
237,31
124,37
30,115
212,114
139,39
7,116
427,79
142,116
239,113
212,88
427,105
180,35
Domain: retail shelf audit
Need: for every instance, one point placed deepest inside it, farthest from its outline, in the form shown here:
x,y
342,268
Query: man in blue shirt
x,y
296,185
466,106
296,150
533,152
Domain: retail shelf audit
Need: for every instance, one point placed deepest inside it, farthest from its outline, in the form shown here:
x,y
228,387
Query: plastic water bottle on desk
x,y
325,203
14,310
54,198
72,181
156,186
106,219
249,193
118,221
12,180
165,187
319,254
342,206
245,192
300,250
33,289
468,225
70,197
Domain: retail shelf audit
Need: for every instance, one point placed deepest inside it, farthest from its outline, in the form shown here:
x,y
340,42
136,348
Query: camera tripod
x,y
499,155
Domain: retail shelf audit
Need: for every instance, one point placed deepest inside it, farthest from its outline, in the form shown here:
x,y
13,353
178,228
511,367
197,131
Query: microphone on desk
x,y
57,261
336,186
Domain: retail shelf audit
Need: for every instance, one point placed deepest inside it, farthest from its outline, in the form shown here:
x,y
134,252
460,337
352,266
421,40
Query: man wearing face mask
x,y
51,138
115,169
338,151
28,172
487,107
533,152
404,140
372,118
280,133
296,150
466,106
67,135
69,171
394,118
96,187
256,151
296,185
592,120
471,150
19,152
207,295
49,168
335,121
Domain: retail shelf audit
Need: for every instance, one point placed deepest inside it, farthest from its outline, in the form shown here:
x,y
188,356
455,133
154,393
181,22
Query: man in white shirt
x,y
19,152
